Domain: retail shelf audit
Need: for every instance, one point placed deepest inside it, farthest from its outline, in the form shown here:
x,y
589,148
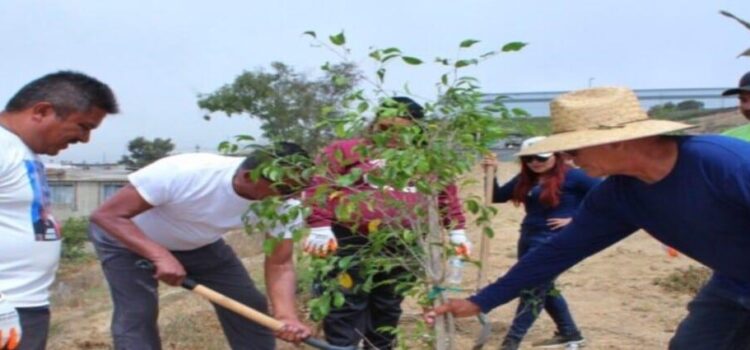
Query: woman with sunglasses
x,y
550,191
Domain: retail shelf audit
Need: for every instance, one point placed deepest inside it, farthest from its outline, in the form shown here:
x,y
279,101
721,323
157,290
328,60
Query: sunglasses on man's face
x,y
532,158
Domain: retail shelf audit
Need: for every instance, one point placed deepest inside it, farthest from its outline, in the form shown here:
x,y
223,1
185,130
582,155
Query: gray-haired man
x,y
44,117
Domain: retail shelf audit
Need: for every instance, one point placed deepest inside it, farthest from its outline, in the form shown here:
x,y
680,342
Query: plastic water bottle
x,y
455,270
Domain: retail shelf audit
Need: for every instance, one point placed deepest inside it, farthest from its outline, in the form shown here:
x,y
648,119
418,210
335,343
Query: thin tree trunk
x,y
444,326
484,245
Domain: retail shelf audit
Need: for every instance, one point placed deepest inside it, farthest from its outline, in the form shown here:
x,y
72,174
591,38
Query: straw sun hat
x,y
598,116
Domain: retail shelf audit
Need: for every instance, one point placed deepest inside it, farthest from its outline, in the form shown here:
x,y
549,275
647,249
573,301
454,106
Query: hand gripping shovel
x,y
484,249
242,309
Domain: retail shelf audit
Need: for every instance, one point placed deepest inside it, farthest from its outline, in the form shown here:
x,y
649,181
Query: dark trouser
x,y
363,314
544,296
35,326
136,300
717,319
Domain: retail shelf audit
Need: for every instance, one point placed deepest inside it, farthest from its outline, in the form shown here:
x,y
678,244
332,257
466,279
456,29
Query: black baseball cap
x,y
415,110
743,86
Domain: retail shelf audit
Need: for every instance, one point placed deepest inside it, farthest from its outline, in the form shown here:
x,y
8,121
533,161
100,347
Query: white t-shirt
x,y
29,235
193,201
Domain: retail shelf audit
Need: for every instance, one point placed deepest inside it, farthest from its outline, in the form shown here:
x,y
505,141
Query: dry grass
x,y
684,280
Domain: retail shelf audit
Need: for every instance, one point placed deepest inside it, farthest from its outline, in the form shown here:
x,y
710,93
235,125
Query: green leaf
x,y
423,165
423,187
375,55
468,43
348,179
388,57
362,107
472,206
411,60
338,39
381,74
339,130
244,138
338,299
340,80
391,50
519,112
513,46
488,54
462,63
224,146
443,61
325,304
345,262
489,232
310,33
444,79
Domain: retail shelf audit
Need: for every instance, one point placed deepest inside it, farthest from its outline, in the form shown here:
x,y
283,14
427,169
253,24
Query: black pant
x,y
34,327
136,299
363,313
718,319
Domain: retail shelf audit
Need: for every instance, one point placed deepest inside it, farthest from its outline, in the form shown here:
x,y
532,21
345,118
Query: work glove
x,y
10,326
460,242
320,242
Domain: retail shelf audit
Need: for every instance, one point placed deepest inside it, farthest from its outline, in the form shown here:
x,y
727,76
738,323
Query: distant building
x,y
537,103
76,190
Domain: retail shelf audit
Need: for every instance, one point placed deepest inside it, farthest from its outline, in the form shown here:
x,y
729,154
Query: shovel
x,y
484,249
242,309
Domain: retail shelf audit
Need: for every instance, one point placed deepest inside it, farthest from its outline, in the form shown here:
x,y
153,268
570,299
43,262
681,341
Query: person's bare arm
x,y
281,283
115,217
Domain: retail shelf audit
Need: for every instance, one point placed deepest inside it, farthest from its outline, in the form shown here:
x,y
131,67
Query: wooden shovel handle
x,y
237,307
484,245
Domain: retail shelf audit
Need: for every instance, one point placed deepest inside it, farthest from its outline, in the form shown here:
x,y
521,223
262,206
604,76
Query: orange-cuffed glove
x,y
10,326
321,242
460,242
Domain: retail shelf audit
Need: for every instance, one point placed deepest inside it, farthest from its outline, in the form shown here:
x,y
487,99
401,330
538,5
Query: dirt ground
x,y
612,296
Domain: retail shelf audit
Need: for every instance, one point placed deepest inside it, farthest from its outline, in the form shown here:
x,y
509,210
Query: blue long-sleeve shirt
x,y
701,208
572,192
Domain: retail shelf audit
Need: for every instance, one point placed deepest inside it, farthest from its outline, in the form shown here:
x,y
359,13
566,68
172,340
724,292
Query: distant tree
x,y
688,105
289,104
74,233
661,109
143,152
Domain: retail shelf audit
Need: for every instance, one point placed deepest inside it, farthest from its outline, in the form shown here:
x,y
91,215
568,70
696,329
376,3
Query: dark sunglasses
x,y
535,157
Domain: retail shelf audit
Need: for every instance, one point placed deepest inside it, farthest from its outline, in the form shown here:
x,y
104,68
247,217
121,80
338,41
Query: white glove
x,y
320,242
462,244
10,326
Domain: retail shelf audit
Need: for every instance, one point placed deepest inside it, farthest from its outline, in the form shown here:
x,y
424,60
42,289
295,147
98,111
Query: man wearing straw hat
x,y
689,192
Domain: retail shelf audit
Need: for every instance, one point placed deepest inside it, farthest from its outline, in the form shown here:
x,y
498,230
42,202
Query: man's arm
x,y
281,283
573,244
597,225
115,217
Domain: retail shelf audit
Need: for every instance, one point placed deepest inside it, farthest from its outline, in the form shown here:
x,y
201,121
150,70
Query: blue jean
x,y
717,319
544,296
35,327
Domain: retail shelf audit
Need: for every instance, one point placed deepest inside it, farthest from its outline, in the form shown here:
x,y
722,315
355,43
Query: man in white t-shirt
x,y
44,117
174,213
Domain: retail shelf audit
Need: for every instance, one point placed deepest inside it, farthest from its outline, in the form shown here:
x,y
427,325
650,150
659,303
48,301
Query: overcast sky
x,y
159,55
